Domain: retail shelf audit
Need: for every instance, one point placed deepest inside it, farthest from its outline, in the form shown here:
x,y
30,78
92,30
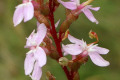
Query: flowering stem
x,y
53,30
56,39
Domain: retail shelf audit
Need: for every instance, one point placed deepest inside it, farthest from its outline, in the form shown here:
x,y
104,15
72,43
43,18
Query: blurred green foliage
x,y
12,41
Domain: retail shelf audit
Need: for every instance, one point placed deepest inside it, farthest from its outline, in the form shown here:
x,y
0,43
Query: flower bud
x,y
65,35
41,18
74,66
52,52
49,76
66,24
92,34
63,61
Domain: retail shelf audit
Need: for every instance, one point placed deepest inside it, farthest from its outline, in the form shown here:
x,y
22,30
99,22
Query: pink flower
x,y
74,4
23,11
36,57
94,51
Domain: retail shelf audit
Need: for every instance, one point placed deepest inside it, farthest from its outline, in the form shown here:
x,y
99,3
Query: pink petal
x,y
25,1
93,8
76,1
18,14
89,15
56,25
29,39
28,11
41,33
38,23
29,63
40,56
75,40
68,5
101,50
65,53
37,72
72,49
98,60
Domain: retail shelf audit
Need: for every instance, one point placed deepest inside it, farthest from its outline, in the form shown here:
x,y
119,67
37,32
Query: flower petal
x,y
28,11
37,72
57,23
40,56
29,63
98,60
29,40
74,40
72,49
38,23
93,8
18,14
65,53
69,5
76,1
89,15
101,50
41,33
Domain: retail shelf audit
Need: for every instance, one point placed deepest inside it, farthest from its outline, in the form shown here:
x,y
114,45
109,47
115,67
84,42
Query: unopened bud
x,y
69,20
49,76
66,35
63,61
48,73
41,18
92,34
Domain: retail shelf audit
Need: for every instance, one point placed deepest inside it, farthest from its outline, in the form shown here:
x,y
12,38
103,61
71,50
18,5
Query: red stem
x,y
56,39
67,73
53,30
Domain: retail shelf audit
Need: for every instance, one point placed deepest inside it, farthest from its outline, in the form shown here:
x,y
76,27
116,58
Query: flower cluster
x,y
36,57
46,41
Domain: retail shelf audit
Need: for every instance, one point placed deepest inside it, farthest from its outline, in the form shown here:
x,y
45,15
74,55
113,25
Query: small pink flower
x,y
79,46
74,4
23,11
36,57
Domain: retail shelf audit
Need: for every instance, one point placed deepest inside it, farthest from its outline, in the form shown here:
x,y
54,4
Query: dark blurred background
x,y
12,41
